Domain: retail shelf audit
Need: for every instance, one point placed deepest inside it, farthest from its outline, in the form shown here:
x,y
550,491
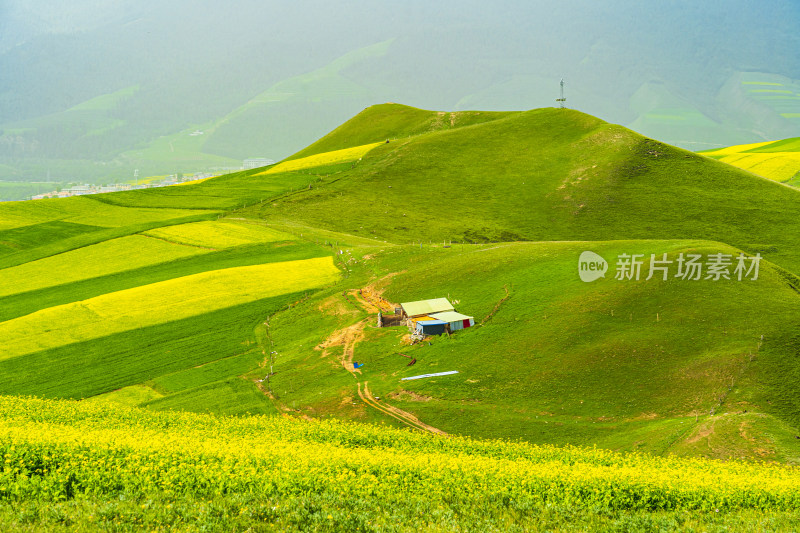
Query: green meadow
x,y
248,294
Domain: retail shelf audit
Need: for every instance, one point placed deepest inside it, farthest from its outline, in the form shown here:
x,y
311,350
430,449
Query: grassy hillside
x,y
141,297
778,160
70,465
393,121
256,292
546,174
624,364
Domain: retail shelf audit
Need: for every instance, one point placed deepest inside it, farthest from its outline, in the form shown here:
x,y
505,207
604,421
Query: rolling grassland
x,y
207,334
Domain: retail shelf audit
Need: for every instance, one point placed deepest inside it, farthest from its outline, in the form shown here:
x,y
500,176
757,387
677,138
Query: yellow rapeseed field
x,y
83,210
108,257
218,234
158,303
45,444
318,160
778,166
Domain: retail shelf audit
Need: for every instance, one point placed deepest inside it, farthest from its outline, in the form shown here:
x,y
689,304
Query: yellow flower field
x,y
318,160
775,165
108,257
778,166
218,234
178,454
158,303
83,210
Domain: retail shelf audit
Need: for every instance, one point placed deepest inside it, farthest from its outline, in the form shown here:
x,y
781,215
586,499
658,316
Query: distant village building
x,y
256,162
79,190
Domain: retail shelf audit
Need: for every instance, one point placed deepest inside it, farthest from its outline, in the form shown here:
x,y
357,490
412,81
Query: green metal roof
x,y
426,307
450,316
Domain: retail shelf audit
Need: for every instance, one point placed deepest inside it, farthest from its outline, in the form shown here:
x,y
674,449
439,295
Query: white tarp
x,y
430,375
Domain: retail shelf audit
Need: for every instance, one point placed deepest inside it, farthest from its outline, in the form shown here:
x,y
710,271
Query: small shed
x,y
431,327
455,321
426,307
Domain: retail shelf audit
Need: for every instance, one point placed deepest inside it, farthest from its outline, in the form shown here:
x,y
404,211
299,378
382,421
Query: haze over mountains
x,y
92,90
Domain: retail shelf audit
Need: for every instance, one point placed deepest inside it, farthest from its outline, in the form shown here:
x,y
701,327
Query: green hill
x,y
256,292
546,174
666,366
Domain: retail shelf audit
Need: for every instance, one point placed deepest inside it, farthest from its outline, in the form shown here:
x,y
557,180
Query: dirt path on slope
x,y
403,416
347,338
371,300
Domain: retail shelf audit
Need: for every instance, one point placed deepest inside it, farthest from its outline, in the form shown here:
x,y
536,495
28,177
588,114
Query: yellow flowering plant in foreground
x,y
55,450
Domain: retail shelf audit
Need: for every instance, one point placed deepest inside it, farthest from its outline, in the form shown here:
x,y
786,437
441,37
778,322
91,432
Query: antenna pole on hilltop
x,y
562,99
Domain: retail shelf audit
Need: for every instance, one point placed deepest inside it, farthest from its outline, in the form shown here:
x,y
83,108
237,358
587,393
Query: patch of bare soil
x,y
409,396
347,338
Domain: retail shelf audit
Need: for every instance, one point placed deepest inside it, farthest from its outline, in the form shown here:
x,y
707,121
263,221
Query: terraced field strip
x,y
159,303
84,210
219,234
327,158
779,166
739,148
109,257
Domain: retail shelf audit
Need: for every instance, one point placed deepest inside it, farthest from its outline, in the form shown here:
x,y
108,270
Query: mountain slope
x,y
662,365
545,174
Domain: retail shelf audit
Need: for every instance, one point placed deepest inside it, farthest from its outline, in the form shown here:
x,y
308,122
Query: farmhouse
x,y
434,317
455,321
425,307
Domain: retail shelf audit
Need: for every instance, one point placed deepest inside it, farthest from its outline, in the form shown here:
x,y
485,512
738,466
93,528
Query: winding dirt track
x,y
371,300
403,416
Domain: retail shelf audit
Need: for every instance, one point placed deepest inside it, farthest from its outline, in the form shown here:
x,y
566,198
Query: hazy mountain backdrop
x,y
92,89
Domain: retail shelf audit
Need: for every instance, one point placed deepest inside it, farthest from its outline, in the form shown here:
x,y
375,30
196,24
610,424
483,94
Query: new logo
x,y
591,266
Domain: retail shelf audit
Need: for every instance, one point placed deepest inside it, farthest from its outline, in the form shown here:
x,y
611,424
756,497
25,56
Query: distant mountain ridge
x,y
261,79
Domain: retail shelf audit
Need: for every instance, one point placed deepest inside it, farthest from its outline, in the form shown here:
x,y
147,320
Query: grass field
x,y
273,472
677,353
25,237
80,210
160,302
102,259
